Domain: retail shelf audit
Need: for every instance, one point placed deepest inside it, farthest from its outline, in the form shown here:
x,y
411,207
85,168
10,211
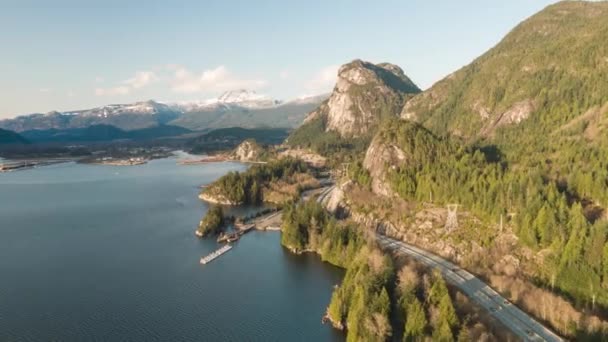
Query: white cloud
x,y
99,79
139,80
218,79
323,80
285,74
44,90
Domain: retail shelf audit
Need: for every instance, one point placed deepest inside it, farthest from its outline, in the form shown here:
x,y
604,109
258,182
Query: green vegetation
x,y
362,302
554,60
213,221
10,137
359,174
226,138
312,135
422,307
545,213
426,308
246,187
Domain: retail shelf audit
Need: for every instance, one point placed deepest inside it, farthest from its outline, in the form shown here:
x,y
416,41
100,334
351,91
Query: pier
x,y
12,166
209,258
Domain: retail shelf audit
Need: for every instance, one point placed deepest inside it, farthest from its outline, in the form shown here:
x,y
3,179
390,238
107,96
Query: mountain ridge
x,y
259,110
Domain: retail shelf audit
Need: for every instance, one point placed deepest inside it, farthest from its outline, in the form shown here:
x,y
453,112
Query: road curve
x,y
326,192
520,323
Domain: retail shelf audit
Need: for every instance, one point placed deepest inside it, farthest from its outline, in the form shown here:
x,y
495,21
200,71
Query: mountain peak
x,y
240,95
364,93
360,73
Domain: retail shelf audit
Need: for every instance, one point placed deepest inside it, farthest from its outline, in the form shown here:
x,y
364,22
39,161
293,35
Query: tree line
x,y
546,212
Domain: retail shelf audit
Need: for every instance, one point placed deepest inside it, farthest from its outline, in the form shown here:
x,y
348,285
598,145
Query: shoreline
x,y
14,165
118,162
214,200
213,159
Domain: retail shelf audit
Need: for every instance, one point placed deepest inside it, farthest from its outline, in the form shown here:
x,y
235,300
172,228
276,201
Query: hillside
x,y
517,140
9,137
228,138
98,133
365,94
549,70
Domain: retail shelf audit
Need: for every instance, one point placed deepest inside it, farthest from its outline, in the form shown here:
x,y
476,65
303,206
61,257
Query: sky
x,y
76,54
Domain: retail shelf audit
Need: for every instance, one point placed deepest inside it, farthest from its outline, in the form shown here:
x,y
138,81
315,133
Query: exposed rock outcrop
x,y
248,150
216,198
378,157
364,93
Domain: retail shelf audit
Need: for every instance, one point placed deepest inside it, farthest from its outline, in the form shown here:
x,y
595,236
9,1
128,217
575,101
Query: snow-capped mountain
x,y
146,107
234,98
246,97
237,108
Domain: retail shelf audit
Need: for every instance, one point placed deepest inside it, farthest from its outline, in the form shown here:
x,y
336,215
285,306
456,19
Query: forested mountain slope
x,y
549,70
10,137
518,137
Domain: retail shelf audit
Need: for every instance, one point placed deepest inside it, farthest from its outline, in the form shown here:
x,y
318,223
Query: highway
x,y
326,192
500,308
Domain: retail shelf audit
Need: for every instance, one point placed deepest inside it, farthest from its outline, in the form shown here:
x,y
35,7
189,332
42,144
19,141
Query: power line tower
x,y
451,221
344,170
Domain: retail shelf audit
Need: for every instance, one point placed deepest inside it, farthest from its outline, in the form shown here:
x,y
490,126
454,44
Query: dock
x,y
209,258
13,166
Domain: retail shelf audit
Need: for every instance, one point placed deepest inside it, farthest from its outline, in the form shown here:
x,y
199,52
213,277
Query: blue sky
x,y
70,54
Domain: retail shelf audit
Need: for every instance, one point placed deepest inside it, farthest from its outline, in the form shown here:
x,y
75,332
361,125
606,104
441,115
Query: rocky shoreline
x,y
221,200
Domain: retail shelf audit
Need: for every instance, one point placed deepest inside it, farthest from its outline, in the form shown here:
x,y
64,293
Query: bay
x,y
104,253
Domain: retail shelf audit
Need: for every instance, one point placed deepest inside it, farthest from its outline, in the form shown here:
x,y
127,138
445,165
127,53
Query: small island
x,y
212,223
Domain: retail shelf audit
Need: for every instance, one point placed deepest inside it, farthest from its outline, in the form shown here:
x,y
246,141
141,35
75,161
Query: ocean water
x,y
104,253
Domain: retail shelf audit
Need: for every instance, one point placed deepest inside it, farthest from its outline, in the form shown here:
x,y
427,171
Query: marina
x,y
209,258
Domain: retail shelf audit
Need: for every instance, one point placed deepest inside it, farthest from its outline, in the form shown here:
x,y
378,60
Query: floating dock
x,y
209,258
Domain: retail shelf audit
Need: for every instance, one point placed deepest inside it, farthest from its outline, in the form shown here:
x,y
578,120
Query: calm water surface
x,y
102,253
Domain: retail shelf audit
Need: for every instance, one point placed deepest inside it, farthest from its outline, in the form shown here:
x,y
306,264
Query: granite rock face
x,y
363,95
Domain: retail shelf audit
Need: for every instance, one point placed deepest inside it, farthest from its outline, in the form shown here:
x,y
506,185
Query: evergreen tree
x,y
447,312
416,321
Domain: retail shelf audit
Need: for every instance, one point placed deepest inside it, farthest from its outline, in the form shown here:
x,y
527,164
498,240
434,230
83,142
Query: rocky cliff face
x,y
378,157
248,150
363,95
